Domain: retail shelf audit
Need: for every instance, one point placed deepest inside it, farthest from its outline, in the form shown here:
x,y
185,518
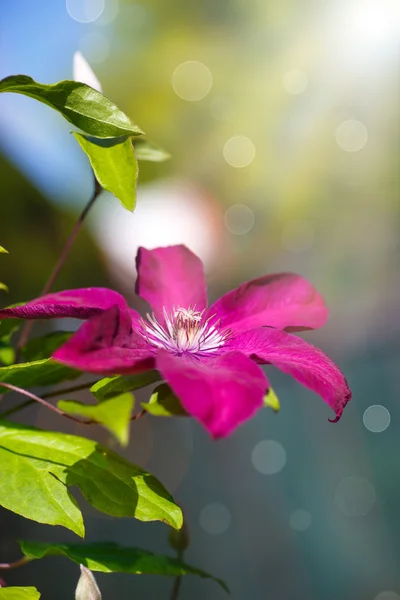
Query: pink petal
x,y
79,304
292,355
170,278
106,344
281,300
221,393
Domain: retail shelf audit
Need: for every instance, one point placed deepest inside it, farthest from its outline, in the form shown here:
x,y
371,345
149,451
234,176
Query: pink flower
x,y
209,356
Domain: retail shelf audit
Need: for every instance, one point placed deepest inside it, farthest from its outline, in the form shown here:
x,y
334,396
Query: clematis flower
x,y
209,356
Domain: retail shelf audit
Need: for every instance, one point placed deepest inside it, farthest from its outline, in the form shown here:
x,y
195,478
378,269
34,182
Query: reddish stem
x,y
32,396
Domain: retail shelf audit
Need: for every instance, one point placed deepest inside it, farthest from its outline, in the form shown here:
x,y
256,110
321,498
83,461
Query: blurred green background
x,y
283,123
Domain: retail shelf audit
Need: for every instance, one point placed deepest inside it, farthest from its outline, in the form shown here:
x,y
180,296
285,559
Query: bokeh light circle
x,y
355,496
376,418
85,11
215,518
239,219
300,519
192,80
268,457
389,595
351,135
239,151
295,81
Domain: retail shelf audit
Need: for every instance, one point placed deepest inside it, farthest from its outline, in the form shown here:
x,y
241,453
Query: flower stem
x,y
18,563
178,581
35,398
60,263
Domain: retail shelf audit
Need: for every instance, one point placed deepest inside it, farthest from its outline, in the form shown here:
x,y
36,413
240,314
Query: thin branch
x,y
35,398
68,390
176,589
60,263
61,392
18,563
138,415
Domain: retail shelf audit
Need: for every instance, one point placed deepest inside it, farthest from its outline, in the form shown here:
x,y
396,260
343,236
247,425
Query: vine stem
x,y
62,392
18,563
60,263
178,581
35,398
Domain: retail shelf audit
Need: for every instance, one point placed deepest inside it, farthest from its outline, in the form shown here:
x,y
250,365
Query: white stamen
x,y
184,331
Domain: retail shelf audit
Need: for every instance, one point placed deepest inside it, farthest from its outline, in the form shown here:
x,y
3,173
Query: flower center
x,y
184,331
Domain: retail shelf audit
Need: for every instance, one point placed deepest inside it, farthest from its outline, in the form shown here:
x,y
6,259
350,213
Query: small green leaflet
x,y
39,466
112,558
114,165
7,328
114,414
146,150
19,593
3,285
271,400
164,403
80,104
113,386
36,373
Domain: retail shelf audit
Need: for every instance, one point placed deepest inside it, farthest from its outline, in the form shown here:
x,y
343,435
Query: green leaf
x,y
112,558
3,250
164,403
3,287
114,164
146,150
35,373
39,466
114,414
19,593
113,386
80,104
44,346
271,400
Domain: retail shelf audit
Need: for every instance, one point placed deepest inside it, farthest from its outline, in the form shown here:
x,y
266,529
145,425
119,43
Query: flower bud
x,y
179,540
87,588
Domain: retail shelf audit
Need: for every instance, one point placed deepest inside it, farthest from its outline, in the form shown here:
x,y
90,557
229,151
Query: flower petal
x,y
79,304
221,393
106,344
280,300
292,355
170,278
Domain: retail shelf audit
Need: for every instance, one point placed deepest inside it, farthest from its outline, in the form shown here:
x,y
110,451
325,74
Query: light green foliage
x,y
80,104
112,558
271,400
39,466
19,593
114,165
113,386
38,372
114,414
3,250
146,150
164,403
